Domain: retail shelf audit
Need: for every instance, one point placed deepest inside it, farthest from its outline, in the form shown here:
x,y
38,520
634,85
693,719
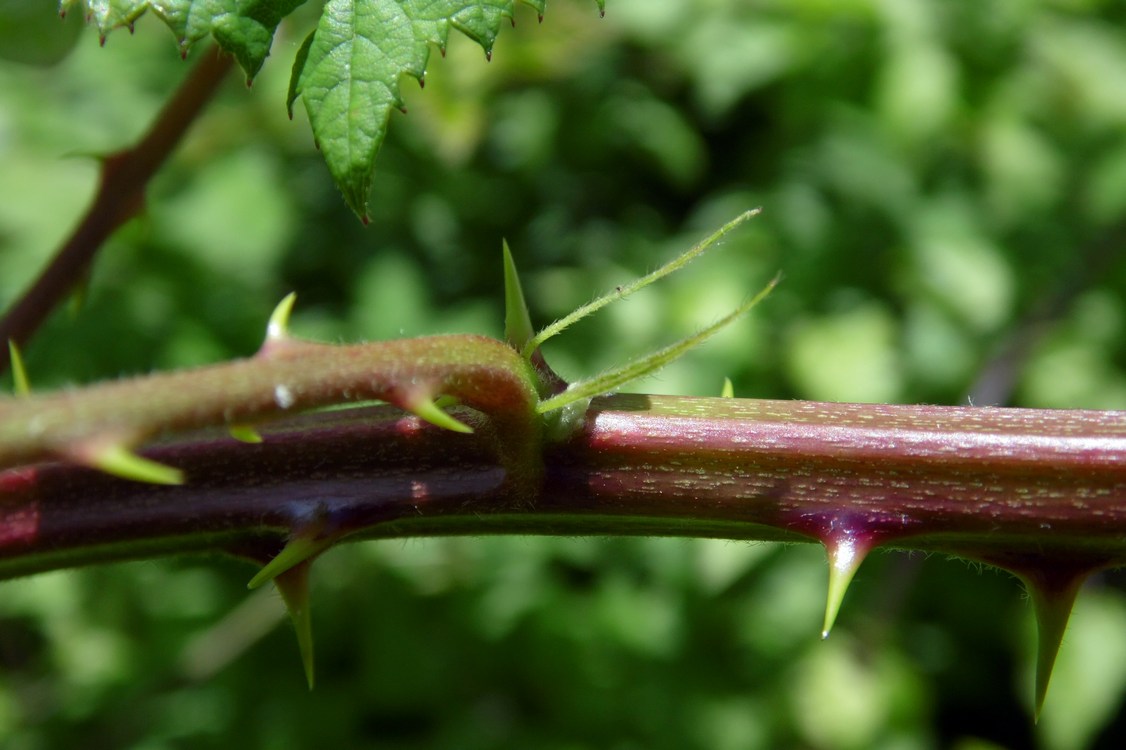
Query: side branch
x,y
120,197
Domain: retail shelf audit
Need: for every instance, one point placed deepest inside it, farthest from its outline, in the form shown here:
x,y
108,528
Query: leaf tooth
x,y
728,389
293,585
20,384
846,551
117,459
299,549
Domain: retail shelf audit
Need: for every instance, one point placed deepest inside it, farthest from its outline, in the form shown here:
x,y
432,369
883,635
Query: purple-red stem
x,y
120,197
1025,489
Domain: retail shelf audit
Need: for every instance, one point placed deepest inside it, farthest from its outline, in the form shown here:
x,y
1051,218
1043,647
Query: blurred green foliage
x,y
944,187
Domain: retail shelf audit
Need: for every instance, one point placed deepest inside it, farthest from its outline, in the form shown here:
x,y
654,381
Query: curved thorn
x,y
118,460
517,322
295,552
728,389
20,384
278,327
1053,597
845,555
425,408
293,585
244,433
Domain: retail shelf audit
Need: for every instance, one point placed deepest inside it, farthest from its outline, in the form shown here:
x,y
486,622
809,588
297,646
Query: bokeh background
x,y
944,187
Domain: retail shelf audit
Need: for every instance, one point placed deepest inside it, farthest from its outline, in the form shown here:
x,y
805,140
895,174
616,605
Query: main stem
x,y
1022,488
120,197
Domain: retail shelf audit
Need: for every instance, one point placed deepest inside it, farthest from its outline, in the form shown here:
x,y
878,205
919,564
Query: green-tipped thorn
x,y
20,384
728,389
845,556
278,327
295,552
1052,601
517,322
119,461
650,363
293,585
425,408
625,290
244,433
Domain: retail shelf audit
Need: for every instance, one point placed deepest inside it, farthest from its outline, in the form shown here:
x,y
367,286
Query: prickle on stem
x,y
293,585
845,553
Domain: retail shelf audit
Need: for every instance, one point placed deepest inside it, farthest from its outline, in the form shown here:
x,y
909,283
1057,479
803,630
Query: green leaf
x,y
348,73
245,28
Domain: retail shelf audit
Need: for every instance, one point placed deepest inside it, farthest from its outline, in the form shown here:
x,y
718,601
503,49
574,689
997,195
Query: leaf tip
x,y
728,390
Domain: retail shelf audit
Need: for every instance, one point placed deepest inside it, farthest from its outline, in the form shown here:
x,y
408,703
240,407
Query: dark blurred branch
x,y
120,197
999,375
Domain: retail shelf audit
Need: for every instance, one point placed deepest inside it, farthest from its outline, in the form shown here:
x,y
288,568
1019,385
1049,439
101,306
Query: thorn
x,y
442,49
249,82
540,17
845,553
403,109
489,55
296,551
728,389
244,433
278,327
422,81
118,460
101,40
130,27
1053,595
20,384
293,585
518,329
423,407
365,219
